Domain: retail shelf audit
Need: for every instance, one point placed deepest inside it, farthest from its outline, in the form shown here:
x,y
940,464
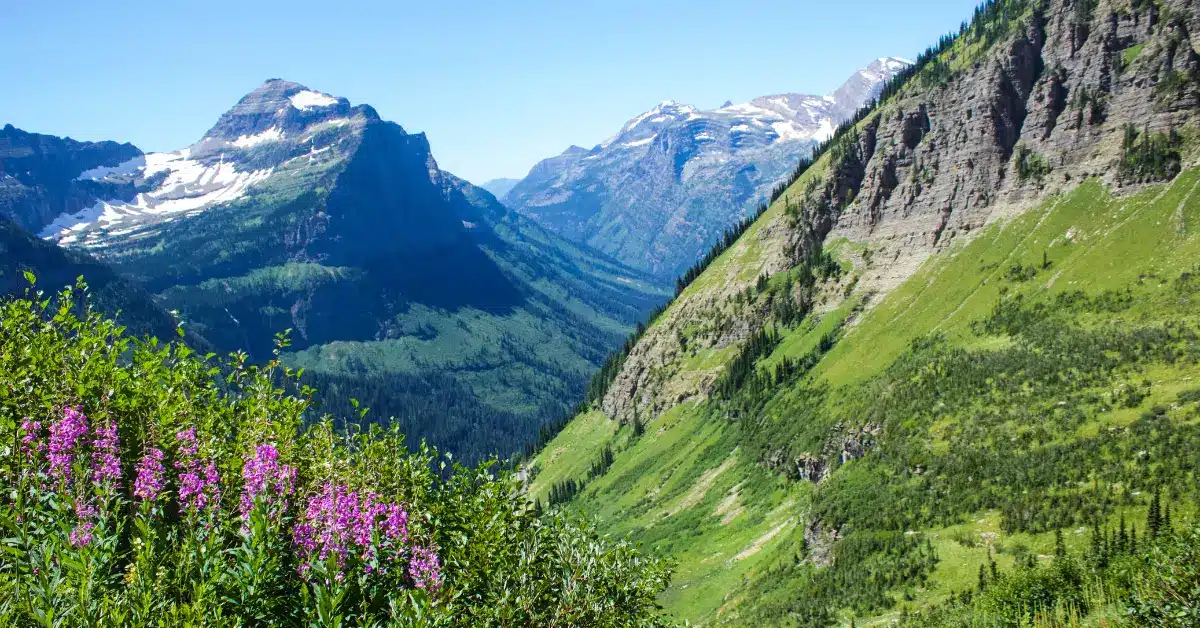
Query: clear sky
x,y
497,85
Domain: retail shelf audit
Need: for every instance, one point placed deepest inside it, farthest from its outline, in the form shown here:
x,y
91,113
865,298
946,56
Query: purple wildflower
x,y
212,481
82,534
29,442
84,510
425,570
337,523
263,472
198,479
105,462
149,475
187,443
395,524
329,524
65,435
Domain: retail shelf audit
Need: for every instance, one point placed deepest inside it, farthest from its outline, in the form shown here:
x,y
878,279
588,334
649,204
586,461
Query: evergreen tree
x,y
1060,548
639,427
1154,517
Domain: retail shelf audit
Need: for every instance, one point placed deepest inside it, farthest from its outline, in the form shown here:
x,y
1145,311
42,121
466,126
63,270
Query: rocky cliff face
x,y
40,175
1059,91
660,192
979,134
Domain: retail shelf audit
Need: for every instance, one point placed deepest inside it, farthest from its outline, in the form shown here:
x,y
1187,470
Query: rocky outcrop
x,y
1063,85
663,189
39,175
938,161
843,445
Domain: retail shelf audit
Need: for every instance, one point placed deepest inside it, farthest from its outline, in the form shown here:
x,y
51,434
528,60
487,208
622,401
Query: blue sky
x,y
496,85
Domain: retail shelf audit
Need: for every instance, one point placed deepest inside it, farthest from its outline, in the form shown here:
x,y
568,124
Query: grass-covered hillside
x,y
144,485
1040,380
847,420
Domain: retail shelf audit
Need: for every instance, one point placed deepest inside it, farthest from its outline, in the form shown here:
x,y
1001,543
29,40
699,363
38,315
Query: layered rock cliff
x,y
1046,97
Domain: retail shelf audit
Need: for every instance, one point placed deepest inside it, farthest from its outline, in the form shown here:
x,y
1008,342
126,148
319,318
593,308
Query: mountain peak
x,y
280,107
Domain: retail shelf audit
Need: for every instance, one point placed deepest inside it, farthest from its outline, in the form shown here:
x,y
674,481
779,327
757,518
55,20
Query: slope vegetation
x,y
401,285
967,330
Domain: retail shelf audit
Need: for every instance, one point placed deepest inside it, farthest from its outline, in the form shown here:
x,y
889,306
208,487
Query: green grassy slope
x,y
471,330
1039,378
916,456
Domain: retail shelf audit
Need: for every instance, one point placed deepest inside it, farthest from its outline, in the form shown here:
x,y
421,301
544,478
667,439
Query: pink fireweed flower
x,y
395,524
424,569
106,465
212,481
263,472
337,523
326,529
199,483
82,534
149,475
65,436
84,510
29,441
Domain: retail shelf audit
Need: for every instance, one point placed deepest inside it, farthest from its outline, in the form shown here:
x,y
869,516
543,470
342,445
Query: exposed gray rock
x,y
40,175
938,161
659,193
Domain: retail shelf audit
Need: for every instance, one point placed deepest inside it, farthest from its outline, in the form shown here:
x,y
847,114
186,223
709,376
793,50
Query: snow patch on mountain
x,y
124,168
272,134
641,142
309,99
658,192
189,186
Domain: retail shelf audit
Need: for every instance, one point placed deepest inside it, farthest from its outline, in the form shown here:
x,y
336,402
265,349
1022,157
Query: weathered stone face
x,y
38,175
939,161
667,185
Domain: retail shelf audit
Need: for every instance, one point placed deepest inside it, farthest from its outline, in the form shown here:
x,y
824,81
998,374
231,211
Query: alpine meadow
x,y
922,352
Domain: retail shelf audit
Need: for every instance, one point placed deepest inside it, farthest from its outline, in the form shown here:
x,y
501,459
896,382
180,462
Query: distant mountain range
x,y
500,187
402,285
658,193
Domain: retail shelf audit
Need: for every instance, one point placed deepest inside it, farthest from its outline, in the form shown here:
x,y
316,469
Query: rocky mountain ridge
x,y
944,159
664,187
403,285
931,357
40,175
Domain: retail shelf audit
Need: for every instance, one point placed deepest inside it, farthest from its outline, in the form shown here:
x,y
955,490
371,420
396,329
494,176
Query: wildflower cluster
x,y
425,570
118,513
31,446
199,482
266,479
338,524
106,464
150,473
66,439
66,447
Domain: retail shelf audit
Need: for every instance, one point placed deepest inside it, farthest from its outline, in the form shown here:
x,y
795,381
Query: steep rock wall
x,y
940,160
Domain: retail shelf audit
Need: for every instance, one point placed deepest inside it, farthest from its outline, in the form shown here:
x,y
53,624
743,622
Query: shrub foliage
x,y
146,485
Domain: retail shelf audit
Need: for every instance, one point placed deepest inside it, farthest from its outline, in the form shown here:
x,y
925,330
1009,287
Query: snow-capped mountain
x,y
279,129
401,283
660,191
